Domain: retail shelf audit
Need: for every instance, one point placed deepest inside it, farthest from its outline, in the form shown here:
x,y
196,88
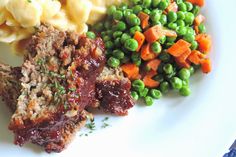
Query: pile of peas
x,y
119,27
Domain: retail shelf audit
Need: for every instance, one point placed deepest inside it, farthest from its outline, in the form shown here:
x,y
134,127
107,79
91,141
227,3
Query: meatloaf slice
x,y
113,92
10,91
58,82
9,85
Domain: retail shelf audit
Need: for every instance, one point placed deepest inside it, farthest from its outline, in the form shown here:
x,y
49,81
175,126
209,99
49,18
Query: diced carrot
x,y
196,57
140,38
196,29
146,52
204,42
172,7
156,32
144,18
185,64
206,65
182,60
154,64
179,48
148,81
200,3
199,19
131,71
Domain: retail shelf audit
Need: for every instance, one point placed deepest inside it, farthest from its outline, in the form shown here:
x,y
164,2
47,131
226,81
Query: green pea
x,y
147,3
169,44
190,30
131,44
181,30
127,12
103,34
194,45
135,1
138,62
191,69
184,74
143,93
135,29
118,54
163,5
164,87
118,15
165,57
163,19
106,38
99,27
155,15
155,3
172,26
149,101
170,39
109,44
138,85
185,83
180,23
189,18
117,42
123,6
124,37
135,57
176,83
111,10
91,35
147,11
133,20
156,94
189,37
171,16
179,1
189,6
156,47
196,10
185,91
117,34
168,69
159,78
154,23
135,95
120,26
181,15
182,7
113,62
202,28
162,40
137,9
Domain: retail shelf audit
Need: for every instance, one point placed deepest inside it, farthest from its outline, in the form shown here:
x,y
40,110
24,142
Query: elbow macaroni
x,y
19,17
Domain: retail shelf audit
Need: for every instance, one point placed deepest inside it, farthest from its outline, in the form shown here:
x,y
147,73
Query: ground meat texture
x,y
9,85
10,90
58,83
113,92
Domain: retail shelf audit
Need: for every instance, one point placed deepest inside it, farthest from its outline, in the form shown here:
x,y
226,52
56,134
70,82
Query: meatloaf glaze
x,y
113,91
58,82
61,76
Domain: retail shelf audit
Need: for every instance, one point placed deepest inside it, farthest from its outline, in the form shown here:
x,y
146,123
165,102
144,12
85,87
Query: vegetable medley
x,y
158,44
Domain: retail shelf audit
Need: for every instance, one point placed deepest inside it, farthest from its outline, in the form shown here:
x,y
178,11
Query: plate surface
x,y
201,125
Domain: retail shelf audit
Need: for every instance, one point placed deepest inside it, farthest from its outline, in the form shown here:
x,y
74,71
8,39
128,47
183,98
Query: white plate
x,y
202,125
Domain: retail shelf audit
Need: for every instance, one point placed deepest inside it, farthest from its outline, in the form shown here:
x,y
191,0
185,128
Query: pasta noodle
x,y
19,17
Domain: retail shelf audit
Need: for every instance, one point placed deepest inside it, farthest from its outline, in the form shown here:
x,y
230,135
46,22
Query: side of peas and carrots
x,y
157,43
